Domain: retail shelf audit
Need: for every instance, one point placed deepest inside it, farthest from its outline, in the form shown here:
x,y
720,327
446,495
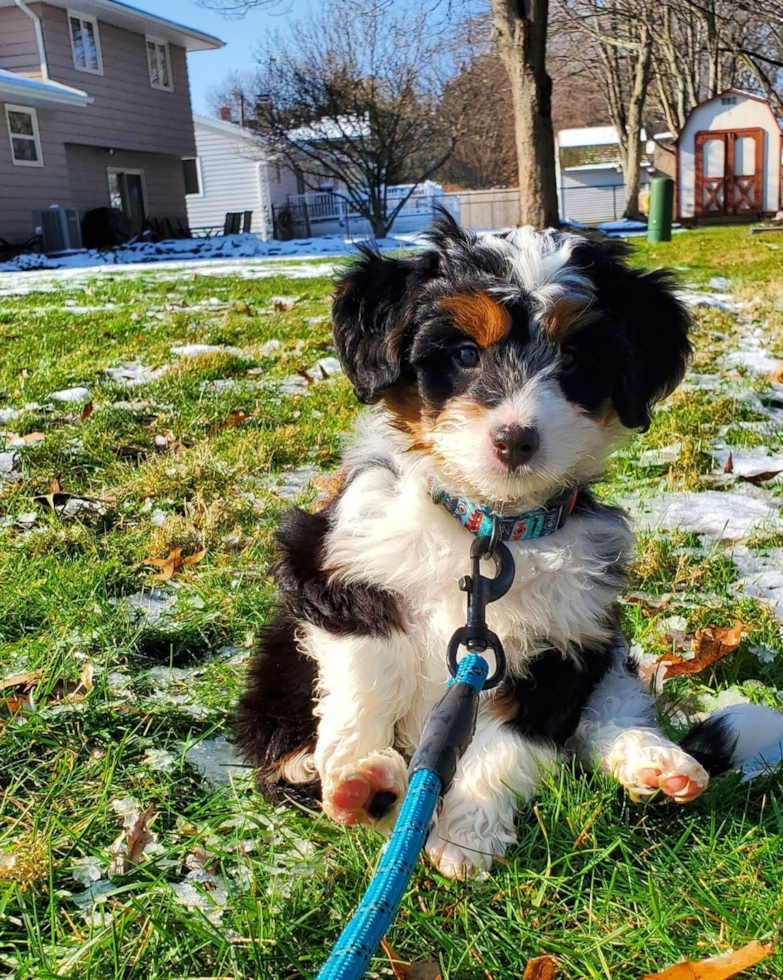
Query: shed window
x,y
729,100
25,138
191,167
159,63
85,43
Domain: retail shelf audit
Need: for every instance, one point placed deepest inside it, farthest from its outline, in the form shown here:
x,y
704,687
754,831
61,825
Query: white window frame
x,y
199,177
36,137
159,43
96,33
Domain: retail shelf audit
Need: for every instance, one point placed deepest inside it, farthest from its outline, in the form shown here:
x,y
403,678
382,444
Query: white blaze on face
x,y
573,444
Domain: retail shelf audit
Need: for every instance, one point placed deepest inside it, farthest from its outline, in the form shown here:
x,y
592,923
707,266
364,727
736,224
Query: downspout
x,y
38,37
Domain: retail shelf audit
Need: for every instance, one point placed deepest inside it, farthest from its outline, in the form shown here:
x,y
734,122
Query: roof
x,y
590,136
722,95
227,128
343,127
33,92
132,19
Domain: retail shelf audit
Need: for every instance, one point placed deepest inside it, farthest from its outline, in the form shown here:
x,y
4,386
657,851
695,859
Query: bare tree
x,y
520,32
354,98
611,42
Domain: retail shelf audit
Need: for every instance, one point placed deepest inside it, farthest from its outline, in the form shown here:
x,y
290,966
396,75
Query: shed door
x,y
730,172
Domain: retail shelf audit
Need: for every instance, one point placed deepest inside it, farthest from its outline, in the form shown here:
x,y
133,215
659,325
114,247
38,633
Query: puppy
x,y
503,370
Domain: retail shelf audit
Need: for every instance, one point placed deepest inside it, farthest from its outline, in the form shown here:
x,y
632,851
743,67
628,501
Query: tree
x,y
354,98
520,32
611,42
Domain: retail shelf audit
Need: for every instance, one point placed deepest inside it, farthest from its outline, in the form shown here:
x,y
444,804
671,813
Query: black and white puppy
x,y
504,370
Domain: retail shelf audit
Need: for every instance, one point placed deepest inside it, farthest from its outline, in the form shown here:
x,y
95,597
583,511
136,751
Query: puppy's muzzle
x,y
515,444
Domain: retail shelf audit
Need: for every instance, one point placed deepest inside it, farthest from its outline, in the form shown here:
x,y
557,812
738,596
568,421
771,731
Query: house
x,y
95,100
589,174
729,159
235,171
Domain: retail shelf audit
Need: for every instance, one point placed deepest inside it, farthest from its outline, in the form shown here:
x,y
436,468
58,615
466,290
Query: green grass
x,y
612,889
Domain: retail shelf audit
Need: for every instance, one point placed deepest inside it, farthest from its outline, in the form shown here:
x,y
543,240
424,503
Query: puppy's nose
x,y
515,444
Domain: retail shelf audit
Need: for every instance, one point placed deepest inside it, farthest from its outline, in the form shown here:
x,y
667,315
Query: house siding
x,y
24,190
231,179
164,181
18,46
127,113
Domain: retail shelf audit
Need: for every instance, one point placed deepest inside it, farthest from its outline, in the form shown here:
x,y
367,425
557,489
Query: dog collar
x,y
518,527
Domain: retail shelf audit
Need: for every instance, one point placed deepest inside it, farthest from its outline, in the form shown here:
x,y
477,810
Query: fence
x,y
307,215
489,209
591,205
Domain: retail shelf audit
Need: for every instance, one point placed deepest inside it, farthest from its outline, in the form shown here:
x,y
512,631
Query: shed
x,y
590,184
729,158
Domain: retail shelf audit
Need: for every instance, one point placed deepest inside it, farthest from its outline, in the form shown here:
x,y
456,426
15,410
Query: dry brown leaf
x,y
777,374
541,968
760,477
129,846
31,439
173,563
237,417
20,680
709,645
716,967
284,305
403,970
729,467
308,378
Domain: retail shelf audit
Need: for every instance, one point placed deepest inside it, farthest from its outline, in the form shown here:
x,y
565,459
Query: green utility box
x,y
659,225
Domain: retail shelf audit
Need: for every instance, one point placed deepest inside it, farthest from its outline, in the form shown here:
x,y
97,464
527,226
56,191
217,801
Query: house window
x,y
191,167
25,138
159,62
729,100
85,43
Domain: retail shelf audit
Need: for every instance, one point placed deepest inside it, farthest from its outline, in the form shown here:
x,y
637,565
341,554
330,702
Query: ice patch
x,y
729,516
70,395
718,301
761,576
8,472
218,762
749,463
195,350
131,375
289,484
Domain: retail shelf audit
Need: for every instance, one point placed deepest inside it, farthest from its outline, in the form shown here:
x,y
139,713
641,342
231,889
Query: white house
x,y
589,174
729,158
232,172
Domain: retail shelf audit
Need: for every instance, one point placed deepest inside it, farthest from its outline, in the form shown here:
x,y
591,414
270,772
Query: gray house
x,y
95,100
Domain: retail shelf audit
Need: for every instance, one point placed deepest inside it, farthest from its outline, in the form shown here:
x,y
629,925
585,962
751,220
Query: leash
x,y
447,733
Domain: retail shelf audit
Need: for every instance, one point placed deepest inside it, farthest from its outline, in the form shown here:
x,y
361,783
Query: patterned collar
x,y
519,527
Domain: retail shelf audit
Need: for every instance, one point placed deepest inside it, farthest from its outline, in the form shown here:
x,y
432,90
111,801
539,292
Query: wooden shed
x,y
729,159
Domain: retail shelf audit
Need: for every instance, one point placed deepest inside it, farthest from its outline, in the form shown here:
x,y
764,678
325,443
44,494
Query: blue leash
x,y
447,733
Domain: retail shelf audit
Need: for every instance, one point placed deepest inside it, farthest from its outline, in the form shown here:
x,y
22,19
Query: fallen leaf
x,y
31,439
237,417
129,846
284,305
308,378
403,970
86,412
729,467
541,968
716,967
709,645
761,477
20,680
72,505
173,563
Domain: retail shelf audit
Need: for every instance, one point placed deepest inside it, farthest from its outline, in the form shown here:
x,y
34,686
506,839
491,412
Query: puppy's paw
x,y
645,762
367,792
458,861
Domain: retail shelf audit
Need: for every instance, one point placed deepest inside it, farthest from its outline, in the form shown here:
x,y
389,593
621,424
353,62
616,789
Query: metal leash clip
x,y
476,636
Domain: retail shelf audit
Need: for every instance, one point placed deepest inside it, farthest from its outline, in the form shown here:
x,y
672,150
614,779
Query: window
x,y
85,43
25,139
191,167
729,100
159,62
127,193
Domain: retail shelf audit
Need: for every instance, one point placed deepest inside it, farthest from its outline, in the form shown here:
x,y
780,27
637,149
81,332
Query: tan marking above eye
x,y
479,316
566,315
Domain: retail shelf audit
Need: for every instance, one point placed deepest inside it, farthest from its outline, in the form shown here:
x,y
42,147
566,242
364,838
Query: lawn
x,y
117,687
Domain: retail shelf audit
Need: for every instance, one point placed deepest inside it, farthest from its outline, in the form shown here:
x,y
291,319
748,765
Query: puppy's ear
x,y
372,315
650,325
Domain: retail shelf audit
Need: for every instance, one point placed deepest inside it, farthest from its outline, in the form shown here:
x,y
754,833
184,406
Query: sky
x,y
242,36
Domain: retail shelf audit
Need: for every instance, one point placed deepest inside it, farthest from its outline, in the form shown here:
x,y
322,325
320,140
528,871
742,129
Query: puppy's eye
x,y
467,357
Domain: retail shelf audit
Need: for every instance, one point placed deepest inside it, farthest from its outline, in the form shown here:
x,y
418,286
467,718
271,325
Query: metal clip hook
x,y
476,635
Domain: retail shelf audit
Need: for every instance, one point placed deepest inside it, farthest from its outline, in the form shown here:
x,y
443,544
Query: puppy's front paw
x,y
457,861
646,762
367,792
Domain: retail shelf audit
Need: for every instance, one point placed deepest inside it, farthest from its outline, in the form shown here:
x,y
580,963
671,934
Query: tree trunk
x,y
520,32
633,147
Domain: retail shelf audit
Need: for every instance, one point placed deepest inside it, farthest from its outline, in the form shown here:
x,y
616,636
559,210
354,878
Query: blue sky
x,y
242,37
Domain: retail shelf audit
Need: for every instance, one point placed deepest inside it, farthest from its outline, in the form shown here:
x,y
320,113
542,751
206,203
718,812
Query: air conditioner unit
x,y
60,229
